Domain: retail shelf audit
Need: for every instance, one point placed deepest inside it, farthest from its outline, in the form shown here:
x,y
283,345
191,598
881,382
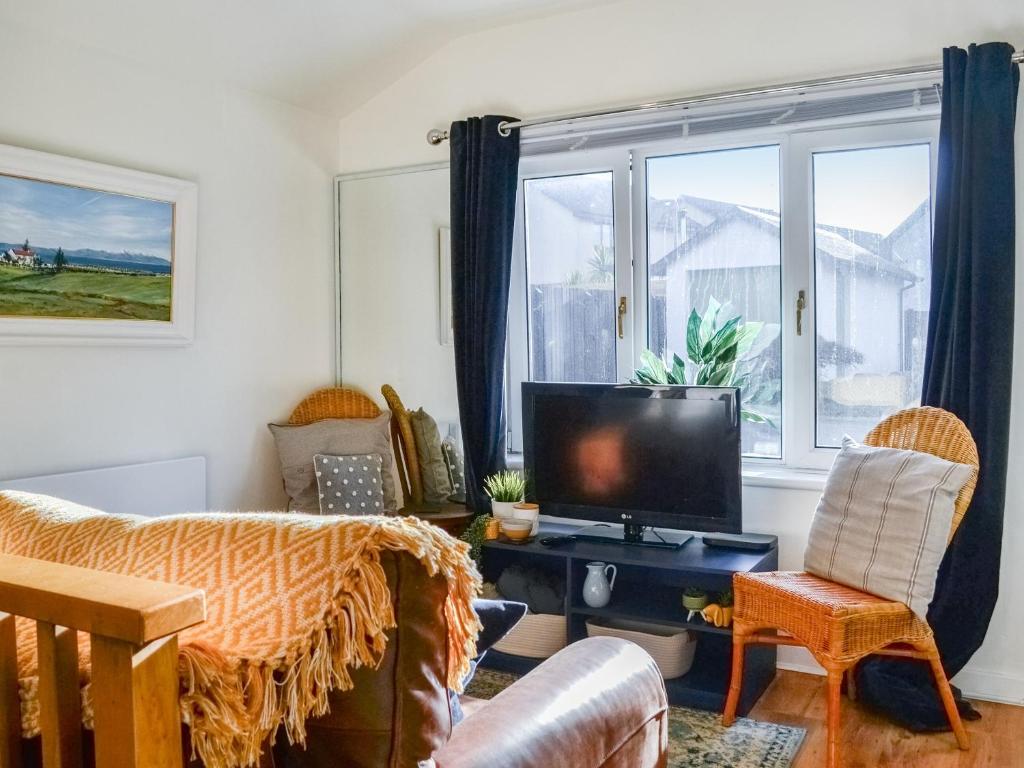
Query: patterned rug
x,y
696,739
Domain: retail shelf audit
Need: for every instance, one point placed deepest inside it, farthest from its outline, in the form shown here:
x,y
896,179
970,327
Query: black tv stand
x,y
649,587
632,533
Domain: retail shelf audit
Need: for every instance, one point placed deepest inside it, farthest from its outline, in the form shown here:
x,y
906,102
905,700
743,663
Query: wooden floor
x,y
869,741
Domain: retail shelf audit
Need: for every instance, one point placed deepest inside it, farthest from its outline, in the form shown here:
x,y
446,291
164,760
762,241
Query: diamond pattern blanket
x,y
294,602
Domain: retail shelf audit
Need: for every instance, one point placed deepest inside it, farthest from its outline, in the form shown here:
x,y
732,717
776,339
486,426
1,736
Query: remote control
x,y
556,541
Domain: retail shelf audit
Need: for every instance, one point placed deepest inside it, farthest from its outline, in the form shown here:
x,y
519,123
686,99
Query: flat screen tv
x,y
637,455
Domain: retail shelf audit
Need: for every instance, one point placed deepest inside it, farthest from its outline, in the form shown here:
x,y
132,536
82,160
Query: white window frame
x,y
518,368
719,143
796,200
803,451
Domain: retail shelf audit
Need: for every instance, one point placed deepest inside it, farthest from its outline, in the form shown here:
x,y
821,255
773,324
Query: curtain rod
x,y
436,136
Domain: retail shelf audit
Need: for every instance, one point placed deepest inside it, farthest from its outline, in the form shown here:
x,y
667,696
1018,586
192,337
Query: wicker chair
x,y
840,625
341,403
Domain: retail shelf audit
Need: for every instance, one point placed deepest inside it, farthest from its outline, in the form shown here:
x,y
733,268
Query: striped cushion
x,y
883,520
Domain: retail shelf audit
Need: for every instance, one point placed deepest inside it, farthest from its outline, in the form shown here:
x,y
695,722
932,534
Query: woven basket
x,y
671,648
538,636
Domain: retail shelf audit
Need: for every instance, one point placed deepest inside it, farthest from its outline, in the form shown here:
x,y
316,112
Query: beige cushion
x,y
298,444
437,485
883,521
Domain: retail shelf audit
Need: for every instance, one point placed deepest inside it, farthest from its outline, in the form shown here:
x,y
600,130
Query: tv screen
x,y
664,456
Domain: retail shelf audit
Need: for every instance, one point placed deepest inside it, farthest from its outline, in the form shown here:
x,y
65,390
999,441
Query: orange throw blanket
x,y
294,602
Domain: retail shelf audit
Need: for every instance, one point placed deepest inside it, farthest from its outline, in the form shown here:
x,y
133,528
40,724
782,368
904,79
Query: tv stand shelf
x,y
649,587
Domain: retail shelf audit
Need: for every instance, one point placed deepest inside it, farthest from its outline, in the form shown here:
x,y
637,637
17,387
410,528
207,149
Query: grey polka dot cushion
x,y
350,485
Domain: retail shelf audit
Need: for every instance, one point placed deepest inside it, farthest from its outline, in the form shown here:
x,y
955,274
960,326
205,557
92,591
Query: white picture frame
x,y
445,335
29,165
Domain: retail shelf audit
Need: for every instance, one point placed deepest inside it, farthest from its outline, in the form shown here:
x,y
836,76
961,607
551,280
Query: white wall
x,y
264,324
627,52
634,51
389,286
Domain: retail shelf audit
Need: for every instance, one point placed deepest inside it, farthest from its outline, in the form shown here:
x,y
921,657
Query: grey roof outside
x,y
593,202
866,249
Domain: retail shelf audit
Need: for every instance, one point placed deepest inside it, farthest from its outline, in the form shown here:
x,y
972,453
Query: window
x,y
570,267
617,247
872,249
714,240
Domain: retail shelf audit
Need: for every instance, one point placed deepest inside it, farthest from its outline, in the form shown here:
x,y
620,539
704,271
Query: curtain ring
x,y
503,129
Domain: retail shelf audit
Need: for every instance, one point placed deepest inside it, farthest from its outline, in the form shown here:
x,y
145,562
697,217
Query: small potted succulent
x,y
506,489
695,599
726,601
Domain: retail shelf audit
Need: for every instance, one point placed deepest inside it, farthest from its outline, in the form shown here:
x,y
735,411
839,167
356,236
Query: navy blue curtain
x,y
968,361
484,177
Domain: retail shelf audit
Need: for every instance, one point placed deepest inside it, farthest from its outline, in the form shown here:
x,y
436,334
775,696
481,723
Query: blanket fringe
x,y
237,695
232,709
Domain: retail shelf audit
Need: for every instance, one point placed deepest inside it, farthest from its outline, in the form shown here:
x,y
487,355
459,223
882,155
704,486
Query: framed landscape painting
x,y
92,253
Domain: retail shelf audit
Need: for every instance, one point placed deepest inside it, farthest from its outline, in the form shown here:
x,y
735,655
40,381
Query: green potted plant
x,y
474,535
721,354
506,489
695,598
720,613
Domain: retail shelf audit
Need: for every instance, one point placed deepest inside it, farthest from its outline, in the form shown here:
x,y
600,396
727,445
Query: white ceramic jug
x,y
597,589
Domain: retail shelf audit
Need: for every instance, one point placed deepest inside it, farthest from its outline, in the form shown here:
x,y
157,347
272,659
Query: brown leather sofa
x,y
600,703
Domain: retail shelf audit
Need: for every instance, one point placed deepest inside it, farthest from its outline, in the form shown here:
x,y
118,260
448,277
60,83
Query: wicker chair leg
x,y
835,687
851,683
946,693
732,701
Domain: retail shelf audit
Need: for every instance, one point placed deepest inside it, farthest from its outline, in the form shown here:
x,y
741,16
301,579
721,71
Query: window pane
x,y
713,237
570,258
872,246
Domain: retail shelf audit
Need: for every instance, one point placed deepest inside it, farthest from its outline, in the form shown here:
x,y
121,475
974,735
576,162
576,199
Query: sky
x,y
58,216
867,189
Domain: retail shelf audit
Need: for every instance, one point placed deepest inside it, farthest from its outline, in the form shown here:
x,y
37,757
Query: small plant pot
x,y
527,511
695,603
503,509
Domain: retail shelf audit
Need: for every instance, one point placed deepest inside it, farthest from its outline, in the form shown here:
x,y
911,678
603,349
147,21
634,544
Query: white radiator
x,y
153,489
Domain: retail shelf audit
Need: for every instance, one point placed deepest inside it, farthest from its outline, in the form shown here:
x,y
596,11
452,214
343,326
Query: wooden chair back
x,y
344,403
334,403
132,625
935,431
403,436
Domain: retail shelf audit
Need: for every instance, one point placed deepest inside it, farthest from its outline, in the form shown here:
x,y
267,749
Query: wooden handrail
x,y
133,625
101,603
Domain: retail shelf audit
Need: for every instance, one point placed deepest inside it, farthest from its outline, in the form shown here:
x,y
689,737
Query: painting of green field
x,y
77,253
78,294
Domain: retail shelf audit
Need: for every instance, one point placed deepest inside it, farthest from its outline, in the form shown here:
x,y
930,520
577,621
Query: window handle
x,y
622,314
801,305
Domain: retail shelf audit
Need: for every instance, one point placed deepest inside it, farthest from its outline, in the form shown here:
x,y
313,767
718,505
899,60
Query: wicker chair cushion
x,y
298,444
437,485
882,522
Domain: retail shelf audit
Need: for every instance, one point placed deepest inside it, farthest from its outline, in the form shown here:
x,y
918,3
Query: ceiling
x,y
329,56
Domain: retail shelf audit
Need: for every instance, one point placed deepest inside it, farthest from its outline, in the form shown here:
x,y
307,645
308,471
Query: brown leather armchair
x,y
598,703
